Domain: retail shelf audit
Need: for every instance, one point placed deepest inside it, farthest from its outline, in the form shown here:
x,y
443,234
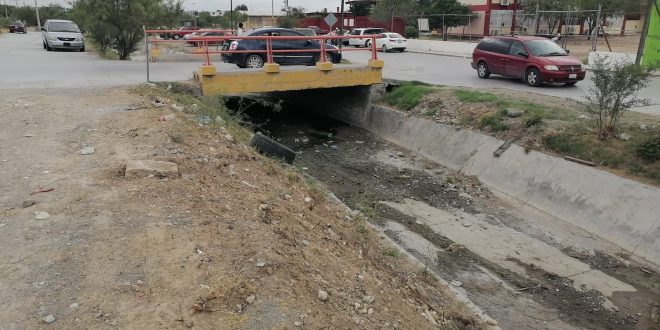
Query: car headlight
x,y
551,68
79,39
51,38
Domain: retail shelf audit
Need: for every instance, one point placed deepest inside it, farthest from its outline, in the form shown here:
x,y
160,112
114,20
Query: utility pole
x,y
596,29
36,6
341,25
645,32
536,20
272,10
231,14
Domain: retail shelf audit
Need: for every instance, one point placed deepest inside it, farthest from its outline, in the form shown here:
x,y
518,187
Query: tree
x,y
608,8
361,8
118,23
172,12
615,91
385,10
242,7
548,11
454,14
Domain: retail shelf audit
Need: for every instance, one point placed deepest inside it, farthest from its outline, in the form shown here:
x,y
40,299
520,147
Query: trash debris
x,y
272,148
2,225
456,283
579,161
28,203
48,319
249,185
87,151
260,263
41,190
323,296
204,119
146,168
41,215
165,118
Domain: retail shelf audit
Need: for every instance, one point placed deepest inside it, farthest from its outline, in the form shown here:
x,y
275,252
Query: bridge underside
x,y
272,79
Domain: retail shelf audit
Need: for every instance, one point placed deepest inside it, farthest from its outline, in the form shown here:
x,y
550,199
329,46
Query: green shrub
x,y
494,123
564,144
533,120
411,32
649,150
407,96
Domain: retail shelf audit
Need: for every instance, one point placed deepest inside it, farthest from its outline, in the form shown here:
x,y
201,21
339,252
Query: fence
x,y
269,49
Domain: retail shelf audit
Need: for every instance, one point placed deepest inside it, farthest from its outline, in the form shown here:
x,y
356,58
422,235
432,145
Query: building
x,y
257,19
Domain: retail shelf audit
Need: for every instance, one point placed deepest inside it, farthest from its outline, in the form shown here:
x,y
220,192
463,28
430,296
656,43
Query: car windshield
x,y
63,27
307,32
394,35
545,48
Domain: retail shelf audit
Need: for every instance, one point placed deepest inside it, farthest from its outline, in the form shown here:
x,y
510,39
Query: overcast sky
x,y
210,5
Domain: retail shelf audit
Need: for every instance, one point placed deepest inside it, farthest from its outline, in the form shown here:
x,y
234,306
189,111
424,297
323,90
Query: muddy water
x,y
520,273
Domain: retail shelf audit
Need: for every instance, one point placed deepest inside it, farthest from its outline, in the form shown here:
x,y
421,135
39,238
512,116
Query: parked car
x,y
257,60
306,31
366,42
391,41
17,27
536,60
195,40
62,34
318,30
180,32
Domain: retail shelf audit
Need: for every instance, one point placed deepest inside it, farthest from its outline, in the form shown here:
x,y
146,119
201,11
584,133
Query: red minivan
x,y
537,60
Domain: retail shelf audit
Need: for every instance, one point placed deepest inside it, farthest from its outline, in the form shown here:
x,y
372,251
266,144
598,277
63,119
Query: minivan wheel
x,y
254,62
482,70
385,50
533,77
367,44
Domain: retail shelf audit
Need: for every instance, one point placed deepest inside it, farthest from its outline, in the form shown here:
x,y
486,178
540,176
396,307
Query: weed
x,y
392,252
474,96
272,166
564,144
533,120
315,191
408,95
431,112
492,122
175,137
293,177
502,112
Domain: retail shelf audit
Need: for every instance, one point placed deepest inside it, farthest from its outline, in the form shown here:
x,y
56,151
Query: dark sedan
x,y
257,60
17,27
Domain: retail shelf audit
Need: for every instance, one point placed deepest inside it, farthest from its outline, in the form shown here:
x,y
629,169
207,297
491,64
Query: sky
x,y
211,5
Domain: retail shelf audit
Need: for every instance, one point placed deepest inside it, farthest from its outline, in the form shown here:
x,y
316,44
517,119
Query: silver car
x,y
61,34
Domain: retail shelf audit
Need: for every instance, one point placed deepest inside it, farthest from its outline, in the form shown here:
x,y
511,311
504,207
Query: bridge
x,y
272,77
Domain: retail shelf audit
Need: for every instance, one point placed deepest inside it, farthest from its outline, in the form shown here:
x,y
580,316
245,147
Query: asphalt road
x,y
25,64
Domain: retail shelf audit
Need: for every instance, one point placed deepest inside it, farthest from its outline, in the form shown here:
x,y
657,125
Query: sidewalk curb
x,y
438,53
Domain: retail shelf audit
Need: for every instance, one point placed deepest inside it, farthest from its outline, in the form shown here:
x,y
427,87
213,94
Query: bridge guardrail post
x,y
374,62
270,66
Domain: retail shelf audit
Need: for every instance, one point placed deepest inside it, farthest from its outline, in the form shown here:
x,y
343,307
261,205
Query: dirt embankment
x,y
237,241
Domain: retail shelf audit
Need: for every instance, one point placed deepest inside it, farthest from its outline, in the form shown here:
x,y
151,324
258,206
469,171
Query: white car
x,y
390,41
62,34
367,32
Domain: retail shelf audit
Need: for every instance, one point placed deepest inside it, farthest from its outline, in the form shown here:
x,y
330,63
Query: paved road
x,y
25,64
456,71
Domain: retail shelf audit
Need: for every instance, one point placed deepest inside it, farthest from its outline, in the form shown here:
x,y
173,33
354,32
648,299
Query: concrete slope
x,y
624,212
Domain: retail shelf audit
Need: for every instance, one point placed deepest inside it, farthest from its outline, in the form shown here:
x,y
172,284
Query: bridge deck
x,y
272,78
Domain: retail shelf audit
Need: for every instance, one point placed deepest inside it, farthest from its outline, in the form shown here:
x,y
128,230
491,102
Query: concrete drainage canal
x,y
522,267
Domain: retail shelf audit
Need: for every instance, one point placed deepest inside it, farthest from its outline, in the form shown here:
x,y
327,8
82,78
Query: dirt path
x,y
524,268
237,242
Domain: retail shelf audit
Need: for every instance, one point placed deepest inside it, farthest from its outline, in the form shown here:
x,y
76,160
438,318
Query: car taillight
x,y
234,45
